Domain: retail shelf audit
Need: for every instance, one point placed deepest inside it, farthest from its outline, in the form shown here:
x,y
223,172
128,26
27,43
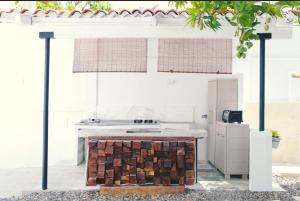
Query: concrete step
x,y
297,198
286,170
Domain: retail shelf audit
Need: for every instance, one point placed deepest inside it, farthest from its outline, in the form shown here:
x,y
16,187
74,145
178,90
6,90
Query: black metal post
x,y
47,36
262,37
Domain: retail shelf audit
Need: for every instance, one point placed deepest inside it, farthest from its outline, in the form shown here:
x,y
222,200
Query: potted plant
x,y
275,138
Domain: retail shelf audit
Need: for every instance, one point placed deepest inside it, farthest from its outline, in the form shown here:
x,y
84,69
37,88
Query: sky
x,y
116,5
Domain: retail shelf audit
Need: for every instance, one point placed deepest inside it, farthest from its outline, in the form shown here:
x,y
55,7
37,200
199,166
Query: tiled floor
x,y
207,172
211,179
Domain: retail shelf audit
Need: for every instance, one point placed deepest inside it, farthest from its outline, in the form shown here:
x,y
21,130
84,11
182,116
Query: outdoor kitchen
x,y
140,148
136,102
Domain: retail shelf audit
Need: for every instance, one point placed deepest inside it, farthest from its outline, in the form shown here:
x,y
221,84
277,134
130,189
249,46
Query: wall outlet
x,y
204,116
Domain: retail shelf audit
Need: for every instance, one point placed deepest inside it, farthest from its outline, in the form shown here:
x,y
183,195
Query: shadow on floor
x,y
209,178
66,176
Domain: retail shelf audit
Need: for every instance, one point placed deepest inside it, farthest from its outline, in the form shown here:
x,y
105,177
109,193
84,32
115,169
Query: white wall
x,y
170,97
282,106
176,97
22,101
282,59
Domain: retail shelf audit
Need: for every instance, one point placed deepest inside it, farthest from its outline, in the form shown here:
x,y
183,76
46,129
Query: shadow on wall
x,y
283,117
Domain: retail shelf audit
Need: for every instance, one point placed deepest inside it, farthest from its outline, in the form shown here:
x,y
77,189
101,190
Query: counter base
x,y
141,190
118,162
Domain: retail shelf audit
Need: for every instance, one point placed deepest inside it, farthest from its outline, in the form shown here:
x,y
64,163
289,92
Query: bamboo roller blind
x,y
195,55
174,55
110,55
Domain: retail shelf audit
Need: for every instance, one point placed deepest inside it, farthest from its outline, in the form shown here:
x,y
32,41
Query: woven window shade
x,y
195,55
110,55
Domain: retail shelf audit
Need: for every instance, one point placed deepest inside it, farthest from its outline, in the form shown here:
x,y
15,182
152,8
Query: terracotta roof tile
x,y
135,10
160,11
183,12
24,11
37,11
61,12
101,13
148,10
172,11
86,11
50,11
112,11
11,10
124,12
76,14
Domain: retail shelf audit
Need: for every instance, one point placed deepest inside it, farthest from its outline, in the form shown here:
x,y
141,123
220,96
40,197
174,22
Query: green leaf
x,y
239,55
192,20
246,35
253,36
275,133
255,23
178,4
230,21
203,14
246,20
267,27
212,22
249,44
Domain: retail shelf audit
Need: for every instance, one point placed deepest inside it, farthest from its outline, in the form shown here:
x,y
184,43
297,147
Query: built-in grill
x,y
124,124
145,121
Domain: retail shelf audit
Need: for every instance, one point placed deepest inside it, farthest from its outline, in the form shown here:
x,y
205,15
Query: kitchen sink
x,y
143,131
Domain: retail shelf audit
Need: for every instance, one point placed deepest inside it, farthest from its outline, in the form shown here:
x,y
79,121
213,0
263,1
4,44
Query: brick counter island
x,y
136,159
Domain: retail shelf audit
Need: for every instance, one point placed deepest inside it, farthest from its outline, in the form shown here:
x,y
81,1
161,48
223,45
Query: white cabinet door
x,y
227,96
211,143
220,148
212,101
238,149
212,114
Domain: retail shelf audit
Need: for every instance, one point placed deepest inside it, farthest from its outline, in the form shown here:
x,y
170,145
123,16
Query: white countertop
x,y
196,133
233,124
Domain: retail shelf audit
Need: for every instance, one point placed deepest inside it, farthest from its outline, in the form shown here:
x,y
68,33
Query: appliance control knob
x,y
138,121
